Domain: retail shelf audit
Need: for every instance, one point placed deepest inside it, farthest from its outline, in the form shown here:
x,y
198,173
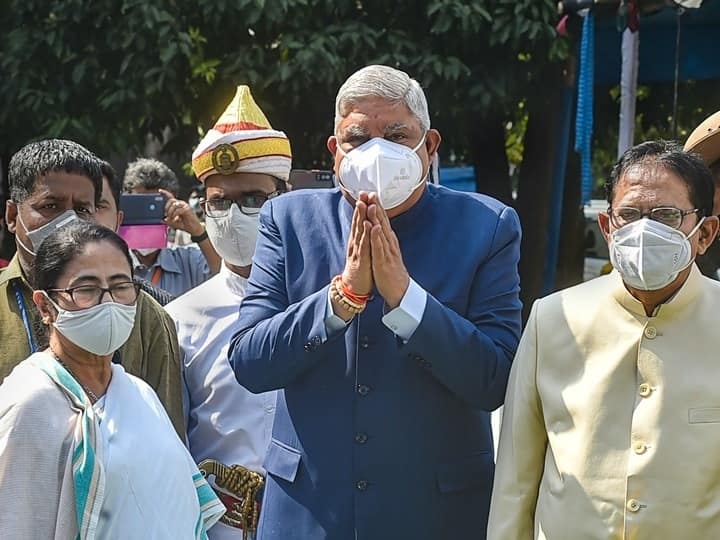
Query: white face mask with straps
x,y
391,170
234,235
100,330
649,255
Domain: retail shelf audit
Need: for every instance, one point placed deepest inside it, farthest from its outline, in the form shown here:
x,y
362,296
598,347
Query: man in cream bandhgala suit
x,y
611,427
382,427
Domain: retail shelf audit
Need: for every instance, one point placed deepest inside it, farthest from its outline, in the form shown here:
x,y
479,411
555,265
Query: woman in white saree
x,y
86,450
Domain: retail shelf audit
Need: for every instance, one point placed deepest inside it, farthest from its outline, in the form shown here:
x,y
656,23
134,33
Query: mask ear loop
x,y
345,156
422,176
52,302
58,309
422,141
17,238
696,228
28,250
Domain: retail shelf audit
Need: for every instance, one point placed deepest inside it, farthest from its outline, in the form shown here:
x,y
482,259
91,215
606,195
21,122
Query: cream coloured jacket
x,y
611,427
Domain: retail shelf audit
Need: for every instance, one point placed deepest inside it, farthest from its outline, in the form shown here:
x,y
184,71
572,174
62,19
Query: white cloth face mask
x,y
36,236
649,255
100,330
234,235
391,170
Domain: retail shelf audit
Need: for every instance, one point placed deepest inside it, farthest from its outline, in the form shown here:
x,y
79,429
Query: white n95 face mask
x,y
36,236
234,235
101,329
391,170
649,255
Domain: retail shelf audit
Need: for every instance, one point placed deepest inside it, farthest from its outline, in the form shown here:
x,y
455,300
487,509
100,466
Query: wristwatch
x,y
199,238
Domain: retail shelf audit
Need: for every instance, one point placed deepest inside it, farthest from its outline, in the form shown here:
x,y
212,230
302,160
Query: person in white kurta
x,y
225,421
149,490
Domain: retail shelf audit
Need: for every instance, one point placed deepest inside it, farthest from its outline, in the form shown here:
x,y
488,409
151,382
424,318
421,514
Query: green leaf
x,y
78,72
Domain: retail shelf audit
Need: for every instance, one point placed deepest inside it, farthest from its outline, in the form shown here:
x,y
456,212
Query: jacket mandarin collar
x,y
686,295
409,218
404,220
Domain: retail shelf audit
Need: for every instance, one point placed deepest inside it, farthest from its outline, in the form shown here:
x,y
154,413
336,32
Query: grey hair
x,y
150,173
384,82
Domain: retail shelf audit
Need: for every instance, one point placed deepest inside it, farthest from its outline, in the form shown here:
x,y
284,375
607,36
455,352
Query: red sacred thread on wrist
x,y
352,295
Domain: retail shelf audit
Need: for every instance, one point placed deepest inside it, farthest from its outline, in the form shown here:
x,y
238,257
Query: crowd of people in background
x,y
323,363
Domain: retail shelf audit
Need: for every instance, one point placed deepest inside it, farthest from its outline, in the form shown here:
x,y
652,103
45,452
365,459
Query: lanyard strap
x,y
25,317
156,275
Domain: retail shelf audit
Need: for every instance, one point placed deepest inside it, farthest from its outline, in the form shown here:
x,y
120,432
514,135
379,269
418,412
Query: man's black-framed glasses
x,y
87,296
667,215
249,204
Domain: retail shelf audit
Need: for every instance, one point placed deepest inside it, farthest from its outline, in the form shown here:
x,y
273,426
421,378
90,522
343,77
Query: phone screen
x,y
143,225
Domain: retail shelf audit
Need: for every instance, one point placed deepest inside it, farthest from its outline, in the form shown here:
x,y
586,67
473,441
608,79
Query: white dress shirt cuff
x,y
404,319
333,323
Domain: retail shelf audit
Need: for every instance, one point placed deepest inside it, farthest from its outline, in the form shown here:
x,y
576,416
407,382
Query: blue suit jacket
x,y
374,438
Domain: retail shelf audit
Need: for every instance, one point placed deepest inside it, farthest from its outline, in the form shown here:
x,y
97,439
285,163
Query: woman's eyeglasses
x,y
87,296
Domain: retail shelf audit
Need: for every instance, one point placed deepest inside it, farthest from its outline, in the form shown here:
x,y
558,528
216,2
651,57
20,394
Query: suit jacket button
x,y
361,438
424,363
362,485
308,347
316,340
365,342
363,389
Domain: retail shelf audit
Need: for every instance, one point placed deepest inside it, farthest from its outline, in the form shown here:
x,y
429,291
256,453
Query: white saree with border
x,y
151,486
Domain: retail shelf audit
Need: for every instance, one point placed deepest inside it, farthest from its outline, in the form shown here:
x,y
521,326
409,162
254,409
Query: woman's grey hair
x,y
384,82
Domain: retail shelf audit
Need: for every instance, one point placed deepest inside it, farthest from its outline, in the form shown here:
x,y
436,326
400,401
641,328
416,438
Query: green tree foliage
x,y
109,72
104,73
653,119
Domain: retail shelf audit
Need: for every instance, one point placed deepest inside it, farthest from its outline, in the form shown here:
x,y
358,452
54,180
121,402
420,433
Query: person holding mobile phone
x,y
175,270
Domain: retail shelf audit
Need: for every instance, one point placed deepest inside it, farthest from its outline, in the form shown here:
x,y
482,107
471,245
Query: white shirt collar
x,y
236,283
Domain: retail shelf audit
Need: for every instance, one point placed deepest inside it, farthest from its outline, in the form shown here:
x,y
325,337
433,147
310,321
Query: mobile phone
x,y
143,225
309,179
142,208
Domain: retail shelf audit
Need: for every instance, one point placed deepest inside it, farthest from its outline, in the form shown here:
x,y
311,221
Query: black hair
x,y
280,185
669,155
51,155
150,174
66,243
115,184
715,170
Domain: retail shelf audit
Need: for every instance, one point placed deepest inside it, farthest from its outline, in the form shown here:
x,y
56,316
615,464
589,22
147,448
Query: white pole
x,y
628,89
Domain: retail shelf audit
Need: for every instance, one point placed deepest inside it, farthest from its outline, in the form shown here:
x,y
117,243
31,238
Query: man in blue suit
x,y
387,314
